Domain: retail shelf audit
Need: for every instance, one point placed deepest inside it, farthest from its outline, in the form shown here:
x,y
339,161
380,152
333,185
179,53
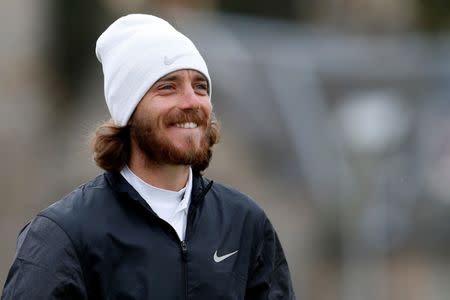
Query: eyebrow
x,y
169,78
197,77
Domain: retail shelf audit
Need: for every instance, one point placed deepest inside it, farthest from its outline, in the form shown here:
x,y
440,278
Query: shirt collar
x,y
145,190
200,186
184,203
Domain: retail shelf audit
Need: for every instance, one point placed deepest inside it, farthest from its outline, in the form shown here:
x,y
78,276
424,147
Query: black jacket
x,y
103,241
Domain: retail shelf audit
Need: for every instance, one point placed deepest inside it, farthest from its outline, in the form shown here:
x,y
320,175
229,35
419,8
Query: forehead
x,y
184,73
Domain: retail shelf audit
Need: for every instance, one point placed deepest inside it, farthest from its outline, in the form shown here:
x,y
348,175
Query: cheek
x,y
207,108
154,115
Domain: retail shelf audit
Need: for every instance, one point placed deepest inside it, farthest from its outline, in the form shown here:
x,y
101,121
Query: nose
x,y
190,99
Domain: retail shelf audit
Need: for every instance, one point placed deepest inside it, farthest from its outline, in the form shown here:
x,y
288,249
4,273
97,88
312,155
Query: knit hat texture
x,y
137,50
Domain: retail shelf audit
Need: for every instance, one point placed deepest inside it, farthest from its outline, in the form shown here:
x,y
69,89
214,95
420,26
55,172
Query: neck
x,y
168,177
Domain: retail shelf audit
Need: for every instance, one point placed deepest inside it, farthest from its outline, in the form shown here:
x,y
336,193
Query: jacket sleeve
x,y
45,266
269,278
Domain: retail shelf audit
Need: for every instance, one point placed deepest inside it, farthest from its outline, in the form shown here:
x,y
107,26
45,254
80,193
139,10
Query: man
x,y
151,226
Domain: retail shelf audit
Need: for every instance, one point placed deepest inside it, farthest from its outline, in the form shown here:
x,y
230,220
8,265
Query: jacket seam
x,y
278,265
260,245
259,248
71,241
26,261
13,292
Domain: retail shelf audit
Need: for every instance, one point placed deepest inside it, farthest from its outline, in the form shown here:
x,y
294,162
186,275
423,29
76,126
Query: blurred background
x,y
334,119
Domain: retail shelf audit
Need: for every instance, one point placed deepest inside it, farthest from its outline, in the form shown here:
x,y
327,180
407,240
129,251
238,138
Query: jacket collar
x,y
200,186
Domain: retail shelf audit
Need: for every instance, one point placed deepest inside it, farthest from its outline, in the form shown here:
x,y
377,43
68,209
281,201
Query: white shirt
x,y
168,205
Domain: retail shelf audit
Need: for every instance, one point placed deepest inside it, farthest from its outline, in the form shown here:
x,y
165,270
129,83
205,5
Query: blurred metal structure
x,y
285,86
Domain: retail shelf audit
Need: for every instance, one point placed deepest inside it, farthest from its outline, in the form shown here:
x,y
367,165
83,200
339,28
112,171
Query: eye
x,y
165,87
202,87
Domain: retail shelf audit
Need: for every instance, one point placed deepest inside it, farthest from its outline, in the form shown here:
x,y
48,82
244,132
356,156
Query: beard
x,y
159,149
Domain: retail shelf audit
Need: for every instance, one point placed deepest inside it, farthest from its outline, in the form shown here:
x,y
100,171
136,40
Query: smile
x,y
187,125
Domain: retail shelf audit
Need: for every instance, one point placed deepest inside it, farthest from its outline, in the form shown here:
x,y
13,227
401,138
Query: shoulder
x,y
43,240
231,198
81,206
80,197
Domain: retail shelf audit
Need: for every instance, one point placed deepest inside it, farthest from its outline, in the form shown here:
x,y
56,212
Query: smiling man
x,y
151,226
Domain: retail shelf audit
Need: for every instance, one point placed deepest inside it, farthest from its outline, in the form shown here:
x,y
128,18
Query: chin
x,y
187,142
188,149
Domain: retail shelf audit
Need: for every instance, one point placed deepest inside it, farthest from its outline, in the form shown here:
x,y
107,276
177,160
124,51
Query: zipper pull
x,y
184,250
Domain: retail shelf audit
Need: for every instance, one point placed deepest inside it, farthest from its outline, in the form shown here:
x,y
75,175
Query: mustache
x,y
184,116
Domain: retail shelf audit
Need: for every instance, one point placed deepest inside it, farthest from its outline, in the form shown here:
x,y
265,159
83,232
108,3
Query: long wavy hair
x,y
110,146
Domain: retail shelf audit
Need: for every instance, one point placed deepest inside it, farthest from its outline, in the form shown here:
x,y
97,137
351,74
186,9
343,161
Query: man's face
x,y
171,124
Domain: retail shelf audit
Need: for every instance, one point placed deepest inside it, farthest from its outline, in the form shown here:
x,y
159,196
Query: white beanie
x,y
137,50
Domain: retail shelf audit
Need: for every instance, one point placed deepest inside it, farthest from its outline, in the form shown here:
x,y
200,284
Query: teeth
x,y
186,125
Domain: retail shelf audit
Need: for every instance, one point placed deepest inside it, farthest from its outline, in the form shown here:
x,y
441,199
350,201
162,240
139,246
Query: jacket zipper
x,y
184,250
183,244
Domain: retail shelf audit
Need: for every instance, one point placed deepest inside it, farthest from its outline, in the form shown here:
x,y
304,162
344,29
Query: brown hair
x,y
110,146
